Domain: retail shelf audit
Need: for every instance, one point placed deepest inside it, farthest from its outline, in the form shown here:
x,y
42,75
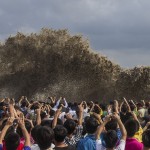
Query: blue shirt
x,y
88,143
119,135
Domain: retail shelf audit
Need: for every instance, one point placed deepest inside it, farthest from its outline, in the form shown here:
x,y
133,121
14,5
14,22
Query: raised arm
x,y
121,106
57,103
22,97
80,114
38,118
116,106
6,127
26,99
134,104
11,109
24,131
147,125
99,108
101,127
121,126
92,106
57,113
135,118
125,101
98,117
143,102
65,102
52,100
2,100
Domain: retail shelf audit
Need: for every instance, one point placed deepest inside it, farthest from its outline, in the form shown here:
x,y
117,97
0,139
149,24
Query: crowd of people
x,y
57,124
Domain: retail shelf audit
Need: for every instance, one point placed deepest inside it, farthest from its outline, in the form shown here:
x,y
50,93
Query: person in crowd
x,y
141,110
44,138
110,137
89,142
12,140
146,139
74,132
111,125
146,118
132,126
61,101
125,111
60,133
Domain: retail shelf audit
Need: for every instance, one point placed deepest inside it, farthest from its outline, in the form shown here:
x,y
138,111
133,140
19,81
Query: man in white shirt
x,y
110,138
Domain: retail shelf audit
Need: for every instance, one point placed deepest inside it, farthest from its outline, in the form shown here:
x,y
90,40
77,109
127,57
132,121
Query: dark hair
x,y
132,107
96,110
10,129
86,118
59,121
12,141
47,123
132,126
24,104
44,137
52,113
111,125
147,104
70,104
60,133
77,111
110,139
146,138
139,105
2,104
52,105
35,106
91,125
34,132
111,102
124,108
70,125
103,107
43,115
28,125
149,110
84,129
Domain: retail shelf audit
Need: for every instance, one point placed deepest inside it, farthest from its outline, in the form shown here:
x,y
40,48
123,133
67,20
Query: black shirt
x,y
69,147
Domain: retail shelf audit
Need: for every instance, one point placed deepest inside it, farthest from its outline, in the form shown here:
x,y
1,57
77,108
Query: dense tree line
x,y
54,62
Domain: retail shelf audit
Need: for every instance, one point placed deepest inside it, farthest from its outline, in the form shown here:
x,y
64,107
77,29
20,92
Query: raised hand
x,y
58,111
115,116
10,121
81,107
21,121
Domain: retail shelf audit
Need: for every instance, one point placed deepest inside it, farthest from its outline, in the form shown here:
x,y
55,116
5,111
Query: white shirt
x,y
121,145
36,147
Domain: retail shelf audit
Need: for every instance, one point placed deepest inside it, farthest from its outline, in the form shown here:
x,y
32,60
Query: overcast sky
x,y
119,29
